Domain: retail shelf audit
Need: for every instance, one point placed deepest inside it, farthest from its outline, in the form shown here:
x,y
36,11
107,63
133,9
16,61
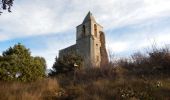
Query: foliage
x,y
160,59
155,62
6,5
17,64
67,63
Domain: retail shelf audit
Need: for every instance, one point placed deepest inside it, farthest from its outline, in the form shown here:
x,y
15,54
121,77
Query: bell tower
x,y
88,41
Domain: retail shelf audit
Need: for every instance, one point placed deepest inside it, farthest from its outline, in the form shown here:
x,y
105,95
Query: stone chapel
x,y
90,43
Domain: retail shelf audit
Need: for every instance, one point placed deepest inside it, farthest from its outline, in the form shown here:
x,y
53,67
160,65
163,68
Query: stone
x,y
90,43
104,55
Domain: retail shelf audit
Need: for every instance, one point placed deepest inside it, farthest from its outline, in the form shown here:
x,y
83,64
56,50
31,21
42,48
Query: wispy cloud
x,y
36,17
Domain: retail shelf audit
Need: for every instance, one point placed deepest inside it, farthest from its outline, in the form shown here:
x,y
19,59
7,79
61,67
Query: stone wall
x,y
104,55
71,49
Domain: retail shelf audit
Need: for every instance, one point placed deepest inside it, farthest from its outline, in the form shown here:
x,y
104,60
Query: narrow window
x,y
96,45
84,31
95,30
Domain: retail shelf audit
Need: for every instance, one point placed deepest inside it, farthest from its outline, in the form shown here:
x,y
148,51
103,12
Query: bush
x,y
66,64
154,62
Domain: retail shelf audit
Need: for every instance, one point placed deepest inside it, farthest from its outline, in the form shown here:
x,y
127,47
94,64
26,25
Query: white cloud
x,y
37,17
138,41
117,47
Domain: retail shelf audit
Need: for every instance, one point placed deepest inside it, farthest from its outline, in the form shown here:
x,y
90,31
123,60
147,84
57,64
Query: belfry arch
x,y
95,30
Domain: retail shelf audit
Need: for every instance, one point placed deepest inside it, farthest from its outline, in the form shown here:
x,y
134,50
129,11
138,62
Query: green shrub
x,y
17,64
66,64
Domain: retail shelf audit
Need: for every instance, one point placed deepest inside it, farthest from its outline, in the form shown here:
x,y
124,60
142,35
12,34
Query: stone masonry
x,y
90,43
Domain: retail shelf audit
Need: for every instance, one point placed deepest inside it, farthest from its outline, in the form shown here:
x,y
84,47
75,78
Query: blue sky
x,y
46,27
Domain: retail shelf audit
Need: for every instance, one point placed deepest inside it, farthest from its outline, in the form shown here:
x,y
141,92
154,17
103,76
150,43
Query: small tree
x,y
67,63
17,64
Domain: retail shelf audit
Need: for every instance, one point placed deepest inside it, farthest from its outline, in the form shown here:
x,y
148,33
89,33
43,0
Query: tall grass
x,y
41,90
114,85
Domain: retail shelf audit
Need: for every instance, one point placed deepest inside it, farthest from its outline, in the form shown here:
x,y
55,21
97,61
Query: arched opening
x,y
84,31
95,30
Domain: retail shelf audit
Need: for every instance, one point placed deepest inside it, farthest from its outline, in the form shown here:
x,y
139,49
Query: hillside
x,y
141,77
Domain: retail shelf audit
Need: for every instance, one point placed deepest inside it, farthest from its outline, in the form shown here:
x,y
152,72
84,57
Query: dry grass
x,y
96,85
41,90
90,85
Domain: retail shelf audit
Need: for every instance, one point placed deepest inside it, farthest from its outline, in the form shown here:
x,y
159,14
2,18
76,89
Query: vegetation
x,y
114,84
46,89
67,64
143,76
155,63
6,5
140,77
17,64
